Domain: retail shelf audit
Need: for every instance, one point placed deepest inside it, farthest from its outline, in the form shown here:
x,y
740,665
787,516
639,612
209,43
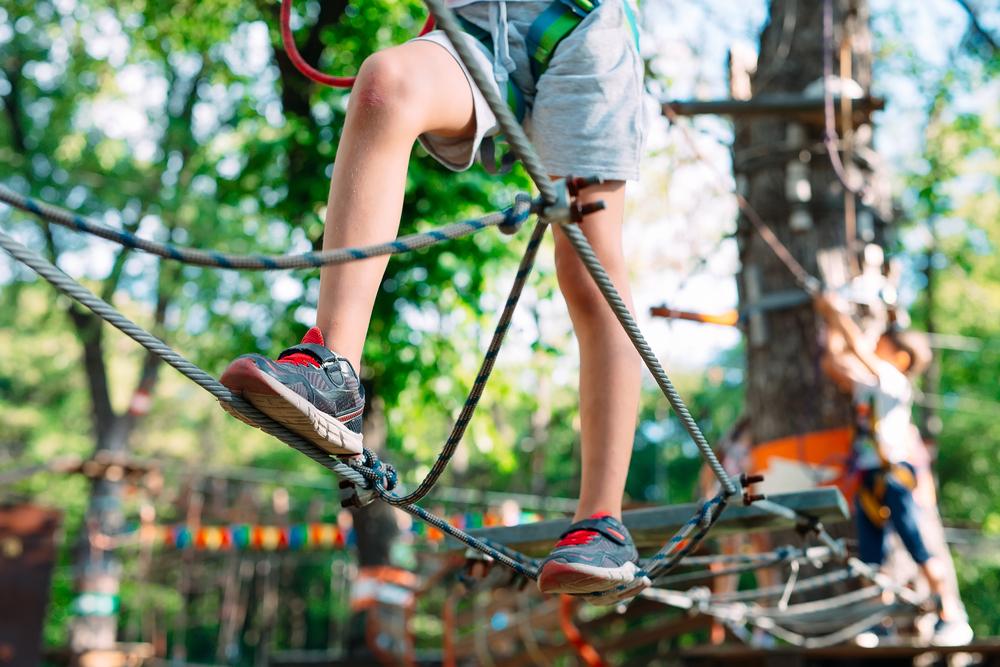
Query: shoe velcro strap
x,y
602,526
322,354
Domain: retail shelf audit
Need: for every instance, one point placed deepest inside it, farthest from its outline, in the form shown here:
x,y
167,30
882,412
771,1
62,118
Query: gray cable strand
x,y
819,606
614,299
767,557
811,583
444,18
509,220
102,309
839,637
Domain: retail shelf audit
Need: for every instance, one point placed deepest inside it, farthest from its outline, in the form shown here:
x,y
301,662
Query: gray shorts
x,y
585,114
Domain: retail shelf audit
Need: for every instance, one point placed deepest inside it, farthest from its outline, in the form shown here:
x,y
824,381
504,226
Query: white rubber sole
x,y
291,410
557,577
613,597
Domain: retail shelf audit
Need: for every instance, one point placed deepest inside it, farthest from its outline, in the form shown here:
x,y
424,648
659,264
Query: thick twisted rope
x,y
687,539
485,370
524,150
105,311
624,315
350,473
508,220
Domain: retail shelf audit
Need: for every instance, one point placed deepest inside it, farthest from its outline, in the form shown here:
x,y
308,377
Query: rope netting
x,y
368,475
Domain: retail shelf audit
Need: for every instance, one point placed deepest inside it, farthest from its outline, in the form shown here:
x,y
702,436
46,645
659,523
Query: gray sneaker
x,y
309,389
593,555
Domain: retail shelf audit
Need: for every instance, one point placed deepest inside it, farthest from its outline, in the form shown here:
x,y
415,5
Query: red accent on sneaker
x,y
577,538
580,537
314,336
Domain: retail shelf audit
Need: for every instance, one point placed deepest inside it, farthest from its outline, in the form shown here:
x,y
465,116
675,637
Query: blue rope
x,y
509,221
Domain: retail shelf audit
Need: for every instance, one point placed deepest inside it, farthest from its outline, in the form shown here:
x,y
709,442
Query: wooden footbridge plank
x,y
652,526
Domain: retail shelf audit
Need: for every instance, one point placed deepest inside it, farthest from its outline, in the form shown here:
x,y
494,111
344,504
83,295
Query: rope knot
x,y
516,215
377,472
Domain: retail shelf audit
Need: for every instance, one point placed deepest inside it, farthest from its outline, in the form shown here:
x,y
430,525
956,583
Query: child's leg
x,y
400,93
871,537
903,513
609,364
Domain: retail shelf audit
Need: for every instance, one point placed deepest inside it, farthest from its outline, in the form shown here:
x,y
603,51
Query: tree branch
x,y
11,105
91,335
976,26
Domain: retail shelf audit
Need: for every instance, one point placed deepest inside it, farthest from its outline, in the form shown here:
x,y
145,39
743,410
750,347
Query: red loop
x,y
310,72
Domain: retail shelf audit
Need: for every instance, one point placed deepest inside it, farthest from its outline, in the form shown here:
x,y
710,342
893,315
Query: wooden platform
x,y
651,527
985,652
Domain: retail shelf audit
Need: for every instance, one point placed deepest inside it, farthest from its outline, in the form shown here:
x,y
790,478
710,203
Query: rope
x,y
812,583
808,553
844,635
824,605
778,557
374,474
102,309
830,138
687,539
509,221
485,370
524,150
371,473
624,315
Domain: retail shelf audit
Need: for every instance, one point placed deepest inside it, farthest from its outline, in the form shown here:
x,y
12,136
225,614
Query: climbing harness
x,y
873,483
871,497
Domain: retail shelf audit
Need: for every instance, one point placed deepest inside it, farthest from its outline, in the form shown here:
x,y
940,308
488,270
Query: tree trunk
x,y
784,172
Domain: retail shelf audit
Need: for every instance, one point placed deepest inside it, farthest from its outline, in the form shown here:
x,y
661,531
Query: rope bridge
x,y
367,477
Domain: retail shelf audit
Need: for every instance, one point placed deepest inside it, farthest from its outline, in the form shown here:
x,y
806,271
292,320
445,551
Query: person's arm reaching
x,y
849,359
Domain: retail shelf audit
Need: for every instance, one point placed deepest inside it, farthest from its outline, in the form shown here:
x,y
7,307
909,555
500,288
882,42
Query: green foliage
x,y
955,212
174,121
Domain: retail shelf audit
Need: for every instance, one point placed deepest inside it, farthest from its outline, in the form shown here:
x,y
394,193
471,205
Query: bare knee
x,y
385,87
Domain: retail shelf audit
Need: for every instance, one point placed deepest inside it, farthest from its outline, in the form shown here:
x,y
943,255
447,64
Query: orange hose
x,y
448,636
729,318
584,650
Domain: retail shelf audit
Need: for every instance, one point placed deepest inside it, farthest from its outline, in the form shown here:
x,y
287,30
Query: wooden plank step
x,y
652,526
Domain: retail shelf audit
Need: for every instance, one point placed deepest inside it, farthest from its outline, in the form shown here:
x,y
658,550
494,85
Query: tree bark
x,y
787,393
